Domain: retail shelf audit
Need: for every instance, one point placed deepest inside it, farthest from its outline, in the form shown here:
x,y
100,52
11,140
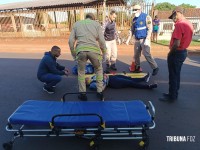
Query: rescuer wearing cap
x,y
142,28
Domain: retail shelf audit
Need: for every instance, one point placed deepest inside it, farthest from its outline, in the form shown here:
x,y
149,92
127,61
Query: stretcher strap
x,y
76,93
52,123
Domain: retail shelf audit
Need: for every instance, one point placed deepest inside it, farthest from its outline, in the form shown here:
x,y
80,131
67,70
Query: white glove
x,y
147,42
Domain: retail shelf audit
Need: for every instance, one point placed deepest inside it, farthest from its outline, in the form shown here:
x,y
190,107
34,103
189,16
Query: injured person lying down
x,y
121,81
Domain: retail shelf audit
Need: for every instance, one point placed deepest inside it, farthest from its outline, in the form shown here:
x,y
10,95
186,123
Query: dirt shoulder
x,y
37,45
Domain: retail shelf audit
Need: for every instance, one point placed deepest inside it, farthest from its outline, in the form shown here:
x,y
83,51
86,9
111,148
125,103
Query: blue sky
x,y
176,2
10,1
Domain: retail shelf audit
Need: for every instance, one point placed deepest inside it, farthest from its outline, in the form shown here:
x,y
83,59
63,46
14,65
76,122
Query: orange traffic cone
x,y
132,68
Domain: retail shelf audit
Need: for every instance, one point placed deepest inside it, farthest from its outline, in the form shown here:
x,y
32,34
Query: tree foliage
x,y
187,6
165,6
168,6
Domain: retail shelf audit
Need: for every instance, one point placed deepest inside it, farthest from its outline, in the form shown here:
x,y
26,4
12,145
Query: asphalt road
x,y
18,83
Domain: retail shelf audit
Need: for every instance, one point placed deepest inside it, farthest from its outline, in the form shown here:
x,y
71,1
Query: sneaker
x,y
46,84
168,95
152,86
100,96
82,97
107,69
49,90
147,77
167,99
107,66
113,67
155,71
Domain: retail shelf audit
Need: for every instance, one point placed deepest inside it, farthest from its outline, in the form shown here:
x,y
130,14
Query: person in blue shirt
x,y
49,71
142,29
121,81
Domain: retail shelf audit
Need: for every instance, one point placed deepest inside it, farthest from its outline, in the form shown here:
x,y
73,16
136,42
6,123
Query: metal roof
x,y
189,12
43,3
36,4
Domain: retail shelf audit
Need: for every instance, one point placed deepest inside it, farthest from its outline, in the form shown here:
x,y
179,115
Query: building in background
x,y
167,25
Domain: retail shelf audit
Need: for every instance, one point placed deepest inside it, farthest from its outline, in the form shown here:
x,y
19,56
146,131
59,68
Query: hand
x,y
171,52
147,42
74,57
66,72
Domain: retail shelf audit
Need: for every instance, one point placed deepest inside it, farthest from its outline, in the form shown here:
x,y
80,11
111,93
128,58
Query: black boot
x,y
152,86
82,97
113,67
155,71
100,96
107,68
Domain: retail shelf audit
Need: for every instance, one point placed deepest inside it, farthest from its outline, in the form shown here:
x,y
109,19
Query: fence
x,y
57,22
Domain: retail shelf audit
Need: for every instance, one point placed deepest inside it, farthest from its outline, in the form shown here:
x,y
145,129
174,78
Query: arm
x,y
71,42
101,40
153,23
149,26
104,26
59,67
158,22
62,68
133,28
175,45
177,36
116,33
52,67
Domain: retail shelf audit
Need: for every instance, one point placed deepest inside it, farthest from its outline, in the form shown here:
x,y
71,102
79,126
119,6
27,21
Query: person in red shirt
x,y
180,40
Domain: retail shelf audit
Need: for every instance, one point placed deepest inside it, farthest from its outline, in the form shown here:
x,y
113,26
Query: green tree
x,y
168,6
164,6
187,6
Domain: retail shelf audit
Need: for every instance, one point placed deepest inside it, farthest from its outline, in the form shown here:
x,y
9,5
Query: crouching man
x,y
50,71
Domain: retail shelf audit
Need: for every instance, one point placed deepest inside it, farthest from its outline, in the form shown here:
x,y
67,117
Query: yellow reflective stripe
x,y
73,52
87,48
100,57
87,21
81,78
99,78
104,51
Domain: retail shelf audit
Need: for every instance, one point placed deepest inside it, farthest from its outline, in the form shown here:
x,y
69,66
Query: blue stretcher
x,y
94,120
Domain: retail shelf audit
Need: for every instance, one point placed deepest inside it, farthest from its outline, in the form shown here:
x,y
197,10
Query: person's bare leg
x,y
156,37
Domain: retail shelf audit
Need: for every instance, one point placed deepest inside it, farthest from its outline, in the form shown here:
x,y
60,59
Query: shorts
x,y
155,31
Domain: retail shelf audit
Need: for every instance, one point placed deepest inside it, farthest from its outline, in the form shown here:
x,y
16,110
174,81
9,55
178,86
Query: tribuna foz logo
x,y
180,138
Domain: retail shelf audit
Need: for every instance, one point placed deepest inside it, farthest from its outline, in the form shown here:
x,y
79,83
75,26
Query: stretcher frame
x,y
95,135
